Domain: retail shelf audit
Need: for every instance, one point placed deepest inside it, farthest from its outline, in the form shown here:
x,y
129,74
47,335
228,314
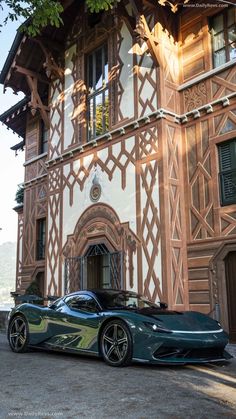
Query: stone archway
x,y
99,224
218,283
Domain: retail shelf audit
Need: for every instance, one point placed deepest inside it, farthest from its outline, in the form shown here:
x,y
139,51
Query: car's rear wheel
x,y
18,334
116,344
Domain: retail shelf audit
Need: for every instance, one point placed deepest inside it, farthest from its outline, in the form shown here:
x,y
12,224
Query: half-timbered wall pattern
x,y
200,181
207,218
36,169
150,231
53,240
70,97
126,75
56,119
29,226
114,163
41,202
110,167
178,257
147,81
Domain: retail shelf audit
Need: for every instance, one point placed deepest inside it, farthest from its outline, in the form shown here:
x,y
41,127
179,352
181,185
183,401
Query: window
x,y
98,95
227,163
41,239
82,303
223,31
44,134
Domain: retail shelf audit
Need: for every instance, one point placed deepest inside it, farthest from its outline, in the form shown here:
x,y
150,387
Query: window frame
x,y
44,137
227,43
103,90
41,237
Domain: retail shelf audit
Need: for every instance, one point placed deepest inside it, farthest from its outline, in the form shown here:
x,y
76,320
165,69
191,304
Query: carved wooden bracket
x,y
36,102
173,5
50,64
141,28
143,32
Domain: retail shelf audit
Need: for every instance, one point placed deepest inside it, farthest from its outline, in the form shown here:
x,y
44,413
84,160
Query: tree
x,y
40,13
20,195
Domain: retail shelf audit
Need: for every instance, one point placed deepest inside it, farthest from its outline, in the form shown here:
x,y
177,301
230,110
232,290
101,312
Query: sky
x,y
11,166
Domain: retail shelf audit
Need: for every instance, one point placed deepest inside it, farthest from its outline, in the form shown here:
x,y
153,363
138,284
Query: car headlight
x,y
155,327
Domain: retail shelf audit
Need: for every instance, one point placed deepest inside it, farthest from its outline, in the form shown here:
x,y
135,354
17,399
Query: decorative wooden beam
x,y
129,20
143,32
52,44
36,102
31,73
173,5
52,68
137,8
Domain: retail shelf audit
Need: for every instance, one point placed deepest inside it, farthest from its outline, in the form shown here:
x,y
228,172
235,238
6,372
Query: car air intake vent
x,y
188,354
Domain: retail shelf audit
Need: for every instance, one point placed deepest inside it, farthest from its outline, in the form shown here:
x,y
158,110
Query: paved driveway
x,y
52,385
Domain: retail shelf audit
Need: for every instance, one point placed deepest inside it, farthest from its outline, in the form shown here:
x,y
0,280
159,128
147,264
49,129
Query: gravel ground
x,y
52,385
231,349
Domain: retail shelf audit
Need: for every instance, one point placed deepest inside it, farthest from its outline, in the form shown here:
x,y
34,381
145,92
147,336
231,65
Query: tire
x,y
116,344
18,334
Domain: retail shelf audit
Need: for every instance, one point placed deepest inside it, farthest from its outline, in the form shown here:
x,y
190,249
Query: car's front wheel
x,y
18,334
116,344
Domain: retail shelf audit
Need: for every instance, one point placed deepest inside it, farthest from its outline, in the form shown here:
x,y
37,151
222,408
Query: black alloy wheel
x,y
18,334
116,344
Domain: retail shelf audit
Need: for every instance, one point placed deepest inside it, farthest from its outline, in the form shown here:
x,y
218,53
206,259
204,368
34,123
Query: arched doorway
x,y
98,268
230,272
99,252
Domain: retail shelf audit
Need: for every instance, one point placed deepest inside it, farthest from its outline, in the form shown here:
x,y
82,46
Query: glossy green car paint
x,y
72,330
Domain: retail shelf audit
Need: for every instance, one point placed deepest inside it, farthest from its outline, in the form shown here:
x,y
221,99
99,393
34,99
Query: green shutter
x,y
227,160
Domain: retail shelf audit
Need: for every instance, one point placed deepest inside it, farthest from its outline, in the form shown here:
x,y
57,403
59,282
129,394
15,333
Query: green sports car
x,y
120,326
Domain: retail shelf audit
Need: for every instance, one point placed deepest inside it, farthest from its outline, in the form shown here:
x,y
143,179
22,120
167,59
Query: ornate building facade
x,y
129,127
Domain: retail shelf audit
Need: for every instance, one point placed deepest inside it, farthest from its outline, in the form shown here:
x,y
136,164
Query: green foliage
x,y
19,198
96,6
102,112
40,13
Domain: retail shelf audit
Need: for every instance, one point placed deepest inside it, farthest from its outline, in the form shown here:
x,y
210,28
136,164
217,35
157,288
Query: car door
x,y
57,326
81,319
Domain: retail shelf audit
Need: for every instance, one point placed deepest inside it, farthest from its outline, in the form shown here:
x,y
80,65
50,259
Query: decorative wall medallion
x,y
95,192
195,96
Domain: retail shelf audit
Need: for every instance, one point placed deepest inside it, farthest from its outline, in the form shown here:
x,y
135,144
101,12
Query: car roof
x,y
98,292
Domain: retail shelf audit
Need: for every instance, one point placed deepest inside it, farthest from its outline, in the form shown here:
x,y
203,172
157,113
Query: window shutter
x,y
227,159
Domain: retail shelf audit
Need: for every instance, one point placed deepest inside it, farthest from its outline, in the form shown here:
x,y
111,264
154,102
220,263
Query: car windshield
x,y
119,300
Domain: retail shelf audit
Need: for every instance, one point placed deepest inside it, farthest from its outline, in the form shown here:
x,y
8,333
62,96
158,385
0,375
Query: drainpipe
x,y
217,311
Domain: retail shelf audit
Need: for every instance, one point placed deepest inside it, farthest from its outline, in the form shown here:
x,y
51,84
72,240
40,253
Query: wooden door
x,y
93,272
230,269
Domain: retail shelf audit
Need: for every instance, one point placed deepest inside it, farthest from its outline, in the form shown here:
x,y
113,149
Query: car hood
x,y
188,321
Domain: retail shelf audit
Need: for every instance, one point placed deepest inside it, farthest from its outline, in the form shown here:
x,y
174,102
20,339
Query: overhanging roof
x,y
15,117
26,53
11,55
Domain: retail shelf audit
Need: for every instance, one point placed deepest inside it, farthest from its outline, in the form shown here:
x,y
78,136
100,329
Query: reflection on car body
x,y
120,326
